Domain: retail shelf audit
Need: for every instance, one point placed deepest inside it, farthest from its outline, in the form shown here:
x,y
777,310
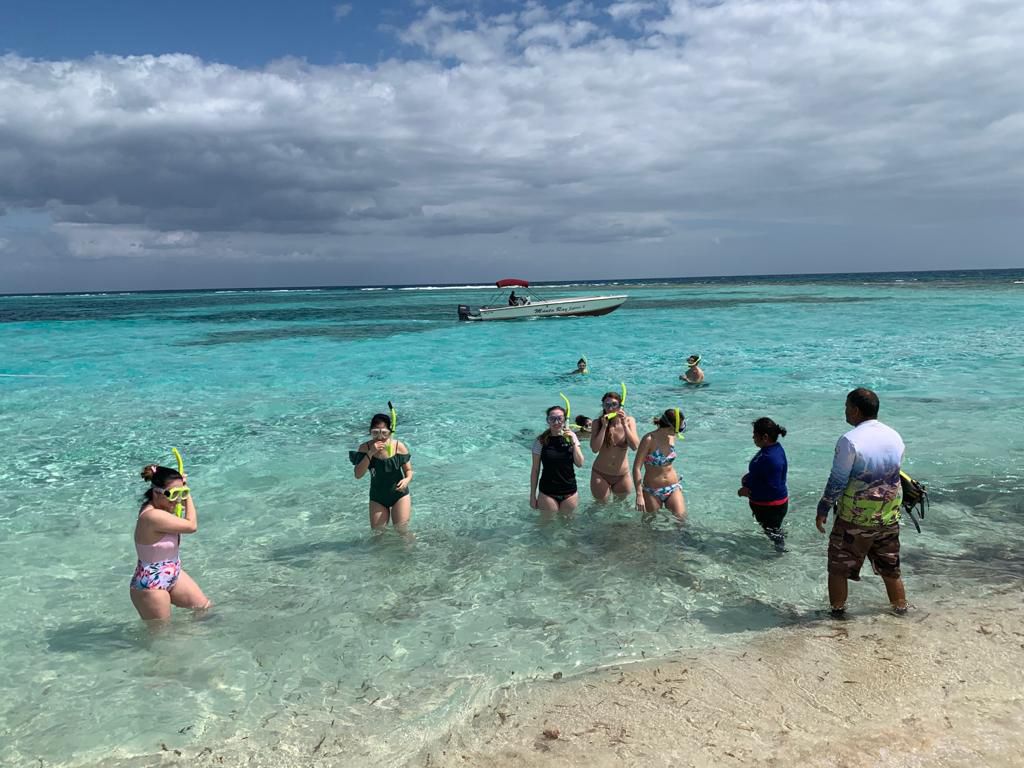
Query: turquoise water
x,y
319,626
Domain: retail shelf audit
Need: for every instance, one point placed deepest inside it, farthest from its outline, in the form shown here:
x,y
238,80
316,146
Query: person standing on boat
x,y
865,488
512,300
613,436
556,453
764,485
390,466
660,487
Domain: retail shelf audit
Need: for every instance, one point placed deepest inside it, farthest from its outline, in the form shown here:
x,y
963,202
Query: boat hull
x,y
588,306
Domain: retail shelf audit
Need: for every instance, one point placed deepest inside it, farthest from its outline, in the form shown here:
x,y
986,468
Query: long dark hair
x,y
158,476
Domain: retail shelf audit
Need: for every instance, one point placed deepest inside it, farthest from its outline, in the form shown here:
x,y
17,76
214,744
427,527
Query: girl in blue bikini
x,y
660,487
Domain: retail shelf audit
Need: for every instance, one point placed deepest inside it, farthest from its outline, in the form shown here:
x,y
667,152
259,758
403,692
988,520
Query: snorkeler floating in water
x,y
581,367
693,373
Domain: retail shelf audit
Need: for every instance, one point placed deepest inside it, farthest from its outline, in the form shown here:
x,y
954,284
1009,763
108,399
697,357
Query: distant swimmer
x,y
764,485
693,374
581,367
584,424
556,453
660,487
390,466
167,511
612,438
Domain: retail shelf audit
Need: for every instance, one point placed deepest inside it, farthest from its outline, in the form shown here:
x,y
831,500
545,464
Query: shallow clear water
x,y
316,620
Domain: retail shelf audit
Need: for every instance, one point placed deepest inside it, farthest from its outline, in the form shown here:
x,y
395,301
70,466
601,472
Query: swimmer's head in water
x,y
584,422
693,360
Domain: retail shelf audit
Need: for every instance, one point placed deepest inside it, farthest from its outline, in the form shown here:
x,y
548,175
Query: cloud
x,y
541,125
341,10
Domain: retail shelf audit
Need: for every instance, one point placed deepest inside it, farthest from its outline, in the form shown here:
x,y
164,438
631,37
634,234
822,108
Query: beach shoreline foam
x,y
943,686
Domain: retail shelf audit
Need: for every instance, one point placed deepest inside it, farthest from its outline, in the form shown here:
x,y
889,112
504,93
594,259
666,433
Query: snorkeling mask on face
x,y
622,402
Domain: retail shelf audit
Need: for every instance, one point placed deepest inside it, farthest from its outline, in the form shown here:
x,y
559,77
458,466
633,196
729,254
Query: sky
x,y
166,145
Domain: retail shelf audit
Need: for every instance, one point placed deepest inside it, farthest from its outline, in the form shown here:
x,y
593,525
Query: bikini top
x,y
658,459
612,444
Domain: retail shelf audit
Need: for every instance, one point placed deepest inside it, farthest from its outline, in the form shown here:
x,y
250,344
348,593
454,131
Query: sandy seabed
x,y
942,686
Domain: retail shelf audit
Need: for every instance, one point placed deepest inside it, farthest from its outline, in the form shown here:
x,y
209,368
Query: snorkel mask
x,y
622,402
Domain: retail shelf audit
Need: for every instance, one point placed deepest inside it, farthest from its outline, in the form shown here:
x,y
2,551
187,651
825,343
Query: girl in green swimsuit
x,y
390,467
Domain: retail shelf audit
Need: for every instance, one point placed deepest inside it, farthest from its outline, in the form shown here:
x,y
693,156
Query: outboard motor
x,y
468,313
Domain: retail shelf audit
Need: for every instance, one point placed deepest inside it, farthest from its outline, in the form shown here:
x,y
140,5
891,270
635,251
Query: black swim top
x,y
557,473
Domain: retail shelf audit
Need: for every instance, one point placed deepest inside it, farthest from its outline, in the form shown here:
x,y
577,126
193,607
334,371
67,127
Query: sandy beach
x,y
940,687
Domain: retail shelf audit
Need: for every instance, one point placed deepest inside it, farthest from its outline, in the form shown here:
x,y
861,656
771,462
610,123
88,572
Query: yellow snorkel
x,y
179,509
394,428
568,413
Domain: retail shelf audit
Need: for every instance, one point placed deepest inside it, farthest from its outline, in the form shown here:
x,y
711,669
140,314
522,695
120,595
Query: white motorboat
x,y
531,305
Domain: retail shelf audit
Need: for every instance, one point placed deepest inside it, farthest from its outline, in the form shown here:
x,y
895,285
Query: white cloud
x,y
341,10
538,125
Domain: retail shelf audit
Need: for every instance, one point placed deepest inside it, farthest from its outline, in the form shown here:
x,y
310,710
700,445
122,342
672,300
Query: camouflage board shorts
x,y
849,544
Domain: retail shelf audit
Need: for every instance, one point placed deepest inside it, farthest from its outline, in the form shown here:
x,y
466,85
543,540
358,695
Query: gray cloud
x,y
712,121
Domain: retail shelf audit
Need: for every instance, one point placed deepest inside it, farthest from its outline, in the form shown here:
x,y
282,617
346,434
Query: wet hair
x,y
693,360
583,421
616,396
668,419
581,360
380,419
767,427
158,476
546,434
865,401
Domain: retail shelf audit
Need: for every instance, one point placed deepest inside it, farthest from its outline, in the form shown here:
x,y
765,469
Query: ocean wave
x,y
376,289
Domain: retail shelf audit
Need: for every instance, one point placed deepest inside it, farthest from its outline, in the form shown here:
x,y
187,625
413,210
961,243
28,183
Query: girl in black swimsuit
x,y
556,452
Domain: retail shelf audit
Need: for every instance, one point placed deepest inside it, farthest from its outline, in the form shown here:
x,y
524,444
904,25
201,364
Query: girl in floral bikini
x,y
159,579
660,486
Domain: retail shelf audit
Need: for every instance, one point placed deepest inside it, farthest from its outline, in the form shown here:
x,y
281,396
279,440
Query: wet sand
x,y
943,686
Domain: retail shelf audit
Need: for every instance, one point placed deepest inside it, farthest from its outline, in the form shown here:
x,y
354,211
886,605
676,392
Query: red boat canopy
x,y
510,282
